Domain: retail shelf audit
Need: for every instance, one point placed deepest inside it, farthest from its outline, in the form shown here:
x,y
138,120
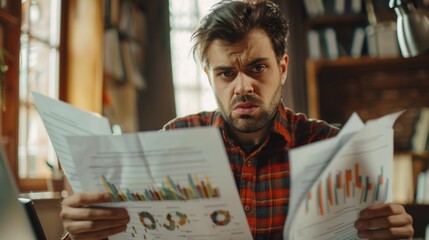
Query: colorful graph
x,y
338,188
147,220
195,189
175,219
220,217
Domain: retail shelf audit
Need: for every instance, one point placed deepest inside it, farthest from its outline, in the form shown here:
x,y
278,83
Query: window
x,y
192,89
39,71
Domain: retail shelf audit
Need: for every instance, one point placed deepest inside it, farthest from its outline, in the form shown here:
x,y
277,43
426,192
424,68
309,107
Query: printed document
x,y
174,184
61,120
333,180
179,185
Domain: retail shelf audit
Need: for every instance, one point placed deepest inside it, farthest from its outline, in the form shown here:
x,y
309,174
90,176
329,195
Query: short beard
x,y
248,123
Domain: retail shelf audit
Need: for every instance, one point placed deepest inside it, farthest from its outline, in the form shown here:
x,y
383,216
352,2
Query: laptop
x,y
18,218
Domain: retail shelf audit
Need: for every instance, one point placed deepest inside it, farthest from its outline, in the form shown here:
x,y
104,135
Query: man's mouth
x,y
245,108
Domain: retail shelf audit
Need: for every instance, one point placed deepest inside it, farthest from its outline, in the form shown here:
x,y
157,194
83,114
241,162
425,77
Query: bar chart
x,y
169,190
346,185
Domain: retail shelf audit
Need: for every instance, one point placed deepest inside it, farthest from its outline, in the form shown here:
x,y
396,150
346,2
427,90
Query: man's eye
x,y
227,74
258,68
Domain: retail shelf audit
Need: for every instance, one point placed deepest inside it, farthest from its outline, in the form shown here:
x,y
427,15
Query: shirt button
x,y
247,208
249,163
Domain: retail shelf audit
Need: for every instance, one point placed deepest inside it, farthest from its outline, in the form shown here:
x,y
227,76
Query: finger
x,y
85,198
79,227
384,222
382,210
93,213
405,232
98,234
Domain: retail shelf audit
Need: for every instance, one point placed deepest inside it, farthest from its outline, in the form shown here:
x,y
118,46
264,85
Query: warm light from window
x,y
39,56
192,89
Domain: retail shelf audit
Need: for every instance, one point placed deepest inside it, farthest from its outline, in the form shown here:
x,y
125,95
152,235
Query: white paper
x,y
342,176
152,162
149,161
60,120
310,160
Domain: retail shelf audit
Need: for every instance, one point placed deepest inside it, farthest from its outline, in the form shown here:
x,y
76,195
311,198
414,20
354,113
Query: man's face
x,y
246,79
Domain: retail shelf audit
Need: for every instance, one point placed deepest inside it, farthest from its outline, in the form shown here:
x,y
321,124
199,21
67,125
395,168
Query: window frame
x,y
191,90
11,18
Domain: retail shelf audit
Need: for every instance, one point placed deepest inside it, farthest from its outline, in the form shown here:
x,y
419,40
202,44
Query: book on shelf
x,y
314,8
314,48
113,58
323,44
331,43
111,13
114,12
422,188
132,22
382,40
420,136
356,6
340,7
317,8
131,51
403,187
320,7
357,42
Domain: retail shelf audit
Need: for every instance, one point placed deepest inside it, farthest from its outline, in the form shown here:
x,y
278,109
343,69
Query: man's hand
x,y
385,221
84,222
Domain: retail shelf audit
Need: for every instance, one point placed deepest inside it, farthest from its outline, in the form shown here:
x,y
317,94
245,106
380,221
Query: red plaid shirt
x,y
263,176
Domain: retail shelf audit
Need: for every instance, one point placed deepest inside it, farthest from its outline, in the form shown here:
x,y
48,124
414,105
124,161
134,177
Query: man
x,y
242,47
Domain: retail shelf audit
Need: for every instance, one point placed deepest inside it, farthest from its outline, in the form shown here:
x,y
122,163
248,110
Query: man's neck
x,y
250,139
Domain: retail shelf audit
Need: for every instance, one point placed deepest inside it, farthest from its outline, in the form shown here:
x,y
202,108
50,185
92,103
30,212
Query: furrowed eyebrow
x,y
223,68
257,60
253,62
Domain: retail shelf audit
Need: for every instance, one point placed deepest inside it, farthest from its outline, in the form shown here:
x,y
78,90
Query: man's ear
x,y
283,67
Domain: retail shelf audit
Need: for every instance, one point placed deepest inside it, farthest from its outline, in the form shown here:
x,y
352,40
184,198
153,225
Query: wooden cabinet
x,y
371,87
10,29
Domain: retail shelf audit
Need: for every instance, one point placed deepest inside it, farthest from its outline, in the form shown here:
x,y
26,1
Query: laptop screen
x,y
14,220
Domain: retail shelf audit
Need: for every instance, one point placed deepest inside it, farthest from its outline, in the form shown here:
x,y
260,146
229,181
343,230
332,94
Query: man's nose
x,y
243,84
